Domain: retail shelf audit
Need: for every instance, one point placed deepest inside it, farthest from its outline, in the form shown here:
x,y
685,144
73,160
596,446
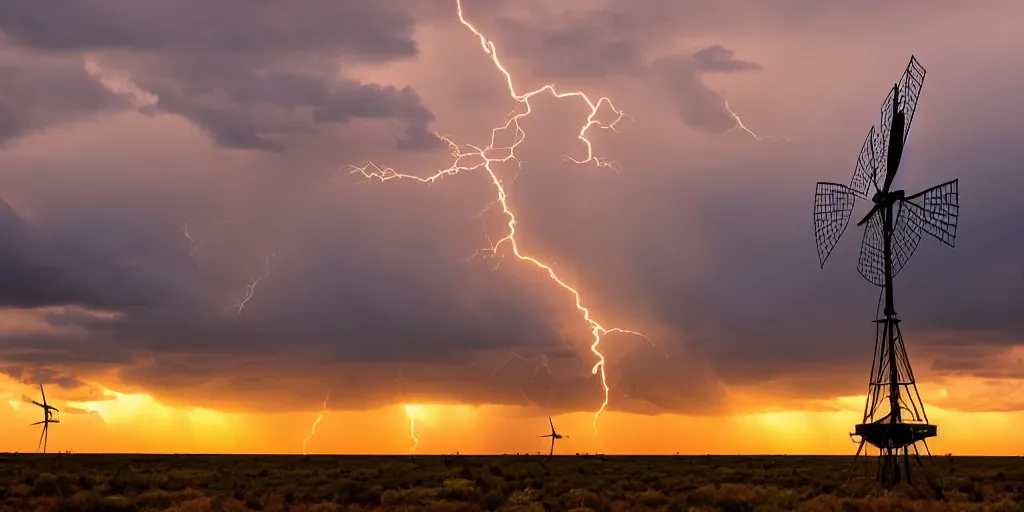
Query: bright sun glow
x,y
122,408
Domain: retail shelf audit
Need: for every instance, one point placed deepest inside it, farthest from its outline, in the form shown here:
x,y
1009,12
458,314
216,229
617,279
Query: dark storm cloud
x,y
250,73
699,106
35,95
82,350
364,30
661,21
979,362
222,102
32,377
573,48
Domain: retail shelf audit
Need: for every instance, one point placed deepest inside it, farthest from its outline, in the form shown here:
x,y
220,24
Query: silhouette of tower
x,y
894,416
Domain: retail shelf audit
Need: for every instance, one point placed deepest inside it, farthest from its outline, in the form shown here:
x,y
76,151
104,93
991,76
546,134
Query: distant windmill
x,y
553,435
894,415
50,415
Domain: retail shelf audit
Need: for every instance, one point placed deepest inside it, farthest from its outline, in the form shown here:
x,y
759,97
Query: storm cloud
x,y
251,74
123,113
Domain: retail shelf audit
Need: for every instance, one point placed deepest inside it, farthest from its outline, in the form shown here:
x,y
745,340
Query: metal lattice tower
x,y
894,416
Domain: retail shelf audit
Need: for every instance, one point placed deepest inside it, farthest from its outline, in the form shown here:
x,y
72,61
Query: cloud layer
x,y
119,118
250,74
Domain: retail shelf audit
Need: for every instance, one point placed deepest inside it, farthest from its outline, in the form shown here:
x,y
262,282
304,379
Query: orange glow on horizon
x,y
139,423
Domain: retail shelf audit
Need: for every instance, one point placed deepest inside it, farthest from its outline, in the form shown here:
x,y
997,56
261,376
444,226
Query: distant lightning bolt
x,y
319,417
250,288
468,157
741,126
411,411
198,244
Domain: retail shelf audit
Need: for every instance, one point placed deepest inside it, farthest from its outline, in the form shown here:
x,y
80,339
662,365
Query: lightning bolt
x,y
319,417
250,288
198,244
741,126
411,411
468,157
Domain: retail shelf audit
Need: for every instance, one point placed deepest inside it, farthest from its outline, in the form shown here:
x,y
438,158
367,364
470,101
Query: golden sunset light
x,y
454,227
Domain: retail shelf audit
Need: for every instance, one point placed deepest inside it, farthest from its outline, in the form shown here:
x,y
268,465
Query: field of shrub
x,y
469,483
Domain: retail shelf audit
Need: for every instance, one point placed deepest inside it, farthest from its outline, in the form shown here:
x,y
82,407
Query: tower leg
x,y
855,459
889,471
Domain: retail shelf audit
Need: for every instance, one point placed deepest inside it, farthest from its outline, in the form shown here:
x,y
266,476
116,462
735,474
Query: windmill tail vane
x,y
894,416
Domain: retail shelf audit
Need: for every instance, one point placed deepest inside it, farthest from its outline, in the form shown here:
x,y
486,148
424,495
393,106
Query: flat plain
x,y
467,483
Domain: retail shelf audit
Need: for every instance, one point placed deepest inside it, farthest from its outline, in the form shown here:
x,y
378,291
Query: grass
x,y
522,483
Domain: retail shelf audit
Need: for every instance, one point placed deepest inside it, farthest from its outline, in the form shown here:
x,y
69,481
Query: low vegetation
x,y
521,483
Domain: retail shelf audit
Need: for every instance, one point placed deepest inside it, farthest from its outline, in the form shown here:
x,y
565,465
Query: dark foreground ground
x,y
324,483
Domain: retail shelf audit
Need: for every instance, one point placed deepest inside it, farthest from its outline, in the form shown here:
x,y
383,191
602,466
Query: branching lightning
x,y
468,157
250,289
319,417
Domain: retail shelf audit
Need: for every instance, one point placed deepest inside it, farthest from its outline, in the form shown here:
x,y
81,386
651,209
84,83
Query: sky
x,y
190,264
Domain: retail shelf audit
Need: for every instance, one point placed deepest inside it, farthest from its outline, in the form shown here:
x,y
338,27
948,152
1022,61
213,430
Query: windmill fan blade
x,y
939,210
833,206
910,85
906,236
871,264
865,173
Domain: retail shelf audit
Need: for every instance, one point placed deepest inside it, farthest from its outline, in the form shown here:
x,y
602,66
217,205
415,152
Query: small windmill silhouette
x,y
553,435
51,414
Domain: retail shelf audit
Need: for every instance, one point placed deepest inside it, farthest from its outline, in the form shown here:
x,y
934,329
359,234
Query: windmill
x,y
894,416
50,415
553,435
